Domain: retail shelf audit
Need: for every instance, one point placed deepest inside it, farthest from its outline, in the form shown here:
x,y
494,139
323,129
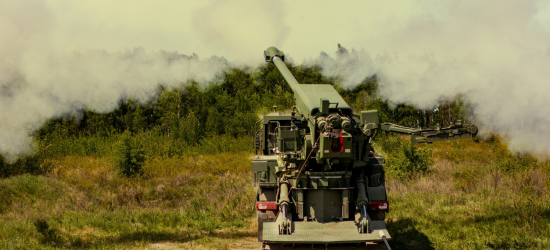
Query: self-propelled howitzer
x,y
316,178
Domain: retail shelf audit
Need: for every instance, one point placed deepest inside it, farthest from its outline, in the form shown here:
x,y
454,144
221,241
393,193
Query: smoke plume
x,y
37,82
496,53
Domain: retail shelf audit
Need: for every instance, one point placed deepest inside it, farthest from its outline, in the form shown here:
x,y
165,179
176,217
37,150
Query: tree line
x,y
194,114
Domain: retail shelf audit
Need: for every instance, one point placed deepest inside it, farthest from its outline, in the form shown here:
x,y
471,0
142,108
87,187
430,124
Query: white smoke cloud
x,y
494,52
38,82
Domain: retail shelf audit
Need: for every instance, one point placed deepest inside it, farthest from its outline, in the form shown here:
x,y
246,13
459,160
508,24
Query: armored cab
x,y
315,177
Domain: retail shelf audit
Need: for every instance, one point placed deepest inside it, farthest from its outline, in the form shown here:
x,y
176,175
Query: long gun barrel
x,y
277,57
311,99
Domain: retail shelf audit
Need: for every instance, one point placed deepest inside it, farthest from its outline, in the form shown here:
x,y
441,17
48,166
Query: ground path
x,y
245,243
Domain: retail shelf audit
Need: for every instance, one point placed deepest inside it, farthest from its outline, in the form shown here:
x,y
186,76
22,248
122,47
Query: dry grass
x,y
474,204
86,204
498,200
218,164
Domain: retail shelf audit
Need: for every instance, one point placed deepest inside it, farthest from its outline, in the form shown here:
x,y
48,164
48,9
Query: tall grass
x,y
474,195
84,203
404,159
155,145
477,195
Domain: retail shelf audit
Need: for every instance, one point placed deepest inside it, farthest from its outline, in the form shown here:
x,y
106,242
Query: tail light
x,y
379,205
266,205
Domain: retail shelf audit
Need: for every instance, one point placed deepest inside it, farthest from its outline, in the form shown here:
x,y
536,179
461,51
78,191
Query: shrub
x,y
129,158
514,163
404,159
33,164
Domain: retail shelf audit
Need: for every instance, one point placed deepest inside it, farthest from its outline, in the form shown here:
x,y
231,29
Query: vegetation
x,y
468,201
129,159
404,159
92,207
177,169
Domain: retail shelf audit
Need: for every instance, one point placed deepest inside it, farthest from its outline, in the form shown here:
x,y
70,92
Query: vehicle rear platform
x,y
324,233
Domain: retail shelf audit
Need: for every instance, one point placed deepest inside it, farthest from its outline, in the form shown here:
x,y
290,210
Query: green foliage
x,y
129,158
194,119
514,163
193,114
404,159
32,164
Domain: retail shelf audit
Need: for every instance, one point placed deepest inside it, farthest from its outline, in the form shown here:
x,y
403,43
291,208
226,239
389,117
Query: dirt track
x,y
244,243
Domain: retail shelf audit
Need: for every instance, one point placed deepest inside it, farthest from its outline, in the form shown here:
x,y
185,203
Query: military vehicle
x,y
316,178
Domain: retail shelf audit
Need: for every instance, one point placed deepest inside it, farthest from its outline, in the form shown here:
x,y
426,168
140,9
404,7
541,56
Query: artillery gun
x,y
316,179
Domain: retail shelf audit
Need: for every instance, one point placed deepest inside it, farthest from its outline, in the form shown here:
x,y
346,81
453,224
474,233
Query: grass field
x,y
472,199
83,203
475,195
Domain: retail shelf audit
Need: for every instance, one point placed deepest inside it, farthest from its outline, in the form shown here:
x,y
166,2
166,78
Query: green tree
x,y
129,158
139,121
169,110
191,129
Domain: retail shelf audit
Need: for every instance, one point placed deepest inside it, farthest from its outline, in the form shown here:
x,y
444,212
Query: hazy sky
x,y
231,28
240,29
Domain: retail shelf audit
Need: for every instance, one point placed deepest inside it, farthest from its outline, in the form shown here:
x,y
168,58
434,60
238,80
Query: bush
x,y
129,159
404,159
33,164
514,163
